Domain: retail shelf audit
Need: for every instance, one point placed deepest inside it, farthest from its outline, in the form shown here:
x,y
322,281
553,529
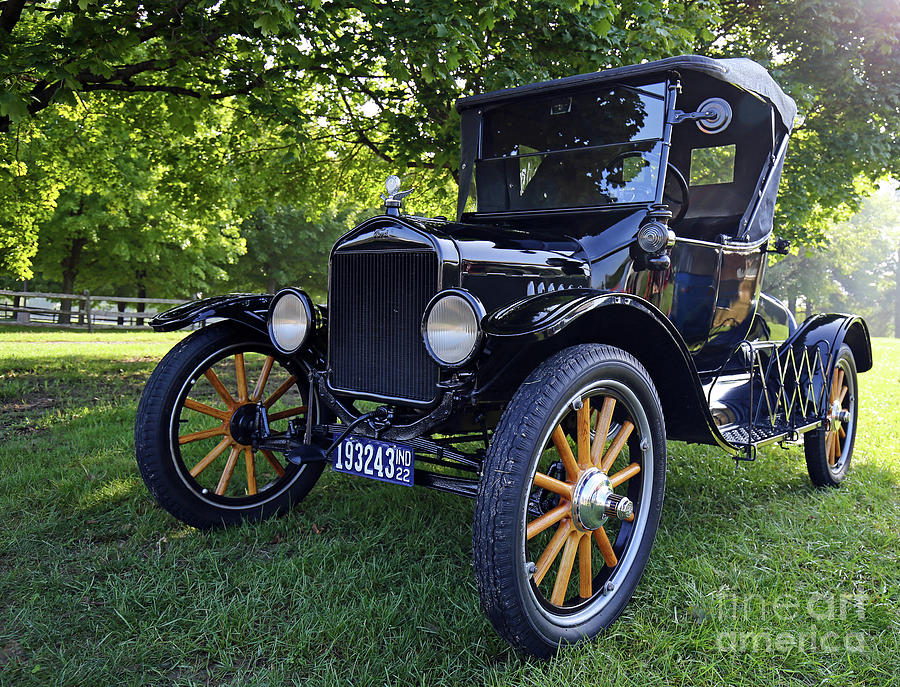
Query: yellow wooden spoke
x,y
290,412
279,392
203,434
229,469
546,482
624,475
205,409
241,373
840,398
840,380
558,596
552,550
263,378
606,549
585,574
837,446
273,461
551,517
616,446
602,430
251,470
565,453
842,432
210,457
583,423
219,387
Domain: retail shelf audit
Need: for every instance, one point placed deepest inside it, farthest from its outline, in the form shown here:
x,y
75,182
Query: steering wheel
x,y
674,184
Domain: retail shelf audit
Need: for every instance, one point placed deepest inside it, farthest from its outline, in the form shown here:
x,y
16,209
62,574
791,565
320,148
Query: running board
x,y
780,395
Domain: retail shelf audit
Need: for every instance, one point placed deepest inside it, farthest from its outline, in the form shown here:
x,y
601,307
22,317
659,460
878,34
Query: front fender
x,y
523,334
246,308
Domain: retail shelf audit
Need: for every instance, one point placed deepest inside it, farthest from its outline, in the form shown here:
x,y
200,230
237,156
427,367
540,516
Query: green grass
x,y
365,583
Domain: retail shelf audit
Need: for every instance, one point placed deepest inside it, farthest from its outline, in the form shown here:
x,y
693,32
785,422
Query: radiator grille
x,y
375,314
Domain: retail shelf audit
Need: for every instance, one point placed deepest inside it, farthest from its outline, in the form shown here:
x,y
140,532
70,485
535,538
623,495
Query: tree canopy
x,y
857,272
175,122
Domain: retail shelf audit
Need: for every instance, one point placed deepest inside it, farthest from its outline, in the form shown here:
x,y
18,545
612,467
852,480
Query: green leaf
x,y
12,106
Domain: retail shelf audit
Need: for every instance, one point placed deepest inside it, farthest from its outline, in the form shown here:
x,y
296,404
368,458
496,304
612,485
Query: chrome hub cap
x,y
837,416
594,502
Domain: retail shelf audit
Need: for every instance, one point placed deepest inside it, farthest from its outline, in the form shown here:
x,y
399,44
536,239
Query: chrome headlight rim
x,y
479,313
310,318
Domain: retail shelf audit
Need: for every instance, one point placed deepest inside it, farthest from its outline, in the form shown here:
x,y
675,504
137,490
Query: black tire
x,y
827,452
164,454
517,606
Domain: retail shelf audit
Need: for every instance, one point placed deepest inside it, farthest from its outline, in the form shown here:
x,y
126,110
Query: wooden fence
x,y
84,311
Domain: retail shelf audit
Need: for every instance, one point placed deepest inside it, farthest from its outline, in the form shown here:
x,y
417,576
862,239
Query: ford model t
x,y
598,294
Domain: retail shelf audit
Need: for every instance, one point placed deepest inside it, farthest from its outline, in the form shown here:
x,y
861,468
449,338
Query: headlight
x,y
451,327
290,317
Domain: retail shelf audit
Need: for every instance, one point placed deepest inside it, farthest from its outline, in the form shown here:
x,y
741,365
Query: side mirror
x,y
781,246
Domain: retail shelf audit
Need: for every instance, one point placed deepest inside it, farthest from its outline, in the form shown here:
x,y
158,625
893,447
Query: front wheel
x,y
194,425
570,499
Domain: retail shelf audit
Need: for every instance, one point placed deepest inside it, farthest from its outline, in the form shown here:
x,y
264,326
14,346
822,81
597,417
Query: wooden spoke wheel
x,y
570,498
828,450
556,533
196,422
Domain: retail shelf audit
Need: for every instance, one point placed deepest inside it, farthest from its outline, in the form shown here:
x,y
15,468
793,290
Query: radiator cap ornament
x,y
394,198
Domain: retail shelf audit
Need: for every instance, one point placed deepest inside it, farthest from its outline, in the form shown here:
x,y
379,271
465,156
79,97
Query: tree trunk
x,y
120,320
142,293
70,265
270,284
792,304
809,308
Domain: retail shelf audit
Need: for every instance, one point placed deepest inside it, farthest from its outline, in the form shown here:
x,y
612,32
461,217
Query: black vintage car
x,y
598,294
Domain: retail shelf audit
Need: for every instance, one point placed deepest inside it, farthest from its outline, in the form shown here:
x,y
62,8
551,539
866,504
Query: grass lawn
x,y
756,577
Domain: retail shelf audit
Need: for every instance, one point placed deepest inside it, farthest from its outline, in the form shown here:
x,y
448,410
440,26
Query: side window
x,y
712,165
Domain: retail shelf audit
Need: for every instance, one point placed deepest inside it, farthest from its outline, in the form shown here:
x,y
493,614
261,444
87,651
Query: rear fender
x,y
836,329
830,332
527,332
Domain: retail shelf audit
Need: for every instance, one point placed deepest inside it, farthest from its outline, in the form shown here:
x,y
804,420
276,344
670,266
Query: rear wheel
x,y
829,449
570,499
194,426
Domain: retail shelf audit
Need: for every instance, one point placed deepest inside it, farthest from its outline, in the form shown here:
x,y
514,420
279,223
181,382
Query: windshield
x,y
594,148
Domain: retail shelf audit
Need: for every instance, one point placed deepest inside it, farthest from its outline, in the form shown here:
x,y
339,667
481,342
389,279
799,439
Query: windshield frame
x,y
472,143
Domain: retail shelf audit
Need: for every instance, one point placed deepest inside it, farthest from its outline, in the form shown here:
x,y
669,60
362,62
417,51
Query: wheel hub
x,y
837,416
594,502
243,423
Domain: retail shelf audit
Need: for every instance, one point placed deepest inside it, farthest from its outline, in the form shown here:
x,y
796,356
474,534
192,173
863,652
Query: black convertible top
x,y
739,71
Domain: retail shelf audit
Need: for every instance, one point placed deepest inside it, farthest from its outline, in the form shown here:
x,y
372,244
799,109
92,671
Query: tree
x,y
137,215
311,101
198,51
857,270
346,91
840,60
286,247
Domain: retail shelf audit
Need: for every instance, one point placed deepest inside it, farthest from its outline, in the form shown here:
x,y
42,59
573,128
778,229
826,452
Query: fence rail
x,y
91,310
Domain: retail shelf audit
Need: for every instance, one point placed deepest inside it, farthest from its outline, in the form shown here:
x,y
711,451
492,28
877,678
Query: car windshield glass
x,y
595,148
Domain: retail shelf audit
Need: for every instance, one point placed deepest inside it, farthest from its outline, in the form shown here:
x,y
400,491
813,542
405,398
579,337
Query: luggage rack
x,y
786,394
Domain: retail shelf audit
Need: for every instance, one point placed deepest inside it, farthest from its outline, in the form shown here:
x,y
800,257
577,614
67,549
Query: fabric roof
x,y
739,71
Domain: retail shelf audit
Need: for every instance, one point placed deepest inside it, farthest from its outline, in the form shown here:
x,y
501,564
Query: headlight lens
x,y
452,330
289,321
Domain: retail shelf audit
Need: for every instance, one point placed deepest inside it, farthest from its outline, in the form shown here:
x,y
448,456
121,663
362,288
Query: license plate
x,y
374,459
